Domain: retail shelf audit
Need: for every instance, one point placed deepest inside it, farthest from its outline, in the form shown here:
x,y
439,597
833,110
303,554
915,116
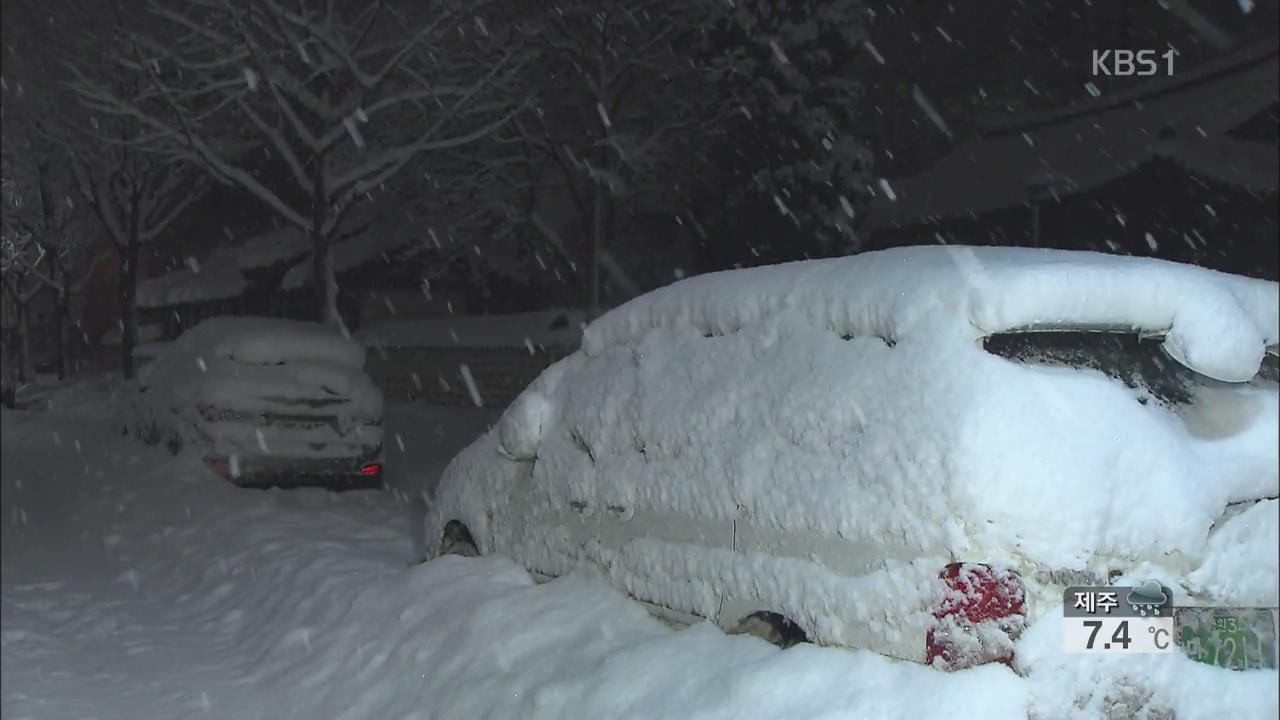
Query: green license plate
x,y
1234,638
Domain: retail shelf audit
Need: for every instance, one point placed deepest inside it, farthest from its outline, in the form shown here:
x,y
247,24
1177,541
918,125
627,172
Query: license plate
x,y
1234,638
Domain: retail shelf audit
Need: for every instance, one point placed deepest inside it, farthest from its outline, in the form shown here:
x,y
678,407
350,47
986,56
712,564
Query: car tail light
x,y
218,464
371,469
982,612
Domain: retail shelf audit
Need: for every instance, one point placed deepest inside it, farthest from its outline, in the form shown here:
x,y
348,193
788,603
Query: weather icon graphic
x,y
1147,598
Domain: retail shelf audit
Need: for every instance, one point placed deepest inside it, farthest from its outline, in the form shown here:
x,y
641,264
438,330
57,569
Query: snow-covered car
x,y
264,401
839,450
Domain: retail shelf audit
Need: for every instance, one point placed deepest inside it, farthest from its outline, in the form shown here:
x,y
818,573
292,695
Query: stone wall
x,y
434,375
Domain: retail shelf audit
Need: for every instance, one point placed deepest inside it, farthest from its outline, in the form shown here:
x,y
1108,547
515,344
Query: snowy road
x,y
119,562
136,586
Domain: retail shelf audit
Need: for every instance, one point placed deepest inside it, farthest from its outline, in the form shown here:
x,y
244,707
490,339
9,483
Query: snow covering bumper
x,y
339,473
982,613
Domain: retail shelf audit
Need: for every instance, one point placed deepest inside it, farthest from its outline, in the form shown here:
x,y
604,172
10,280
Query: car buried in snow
x,y
263,401
912,451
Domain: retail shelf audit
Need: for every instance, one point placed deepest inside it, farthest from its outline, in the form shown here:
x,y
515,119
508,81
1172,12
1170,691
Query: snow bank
x,y
141,587
1242,557
138,586
1086,687
560,328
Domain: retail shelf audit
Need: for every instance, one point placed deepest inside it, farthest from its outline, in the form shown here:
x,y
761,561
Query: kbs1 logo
x,y
1128,63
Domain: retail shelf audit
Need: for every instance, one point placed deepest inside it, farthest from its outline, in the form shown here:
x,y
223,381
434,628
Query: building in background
x,y
1181,168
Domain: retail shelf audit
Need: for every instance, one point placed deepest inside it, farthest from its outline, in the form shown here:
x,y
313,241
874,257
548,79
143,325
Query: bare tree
x,y
338,96
621,116
40,211
48,153
20,255
135,195
101,159
474,213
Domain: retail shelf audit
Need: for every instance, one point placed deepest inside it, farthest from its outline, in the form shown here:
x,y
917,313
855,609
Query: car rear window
x,y
1140,362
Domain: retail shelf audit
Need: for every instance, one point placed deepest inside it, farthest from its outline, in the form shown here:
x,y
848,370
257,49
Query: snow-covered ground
x,y
137,586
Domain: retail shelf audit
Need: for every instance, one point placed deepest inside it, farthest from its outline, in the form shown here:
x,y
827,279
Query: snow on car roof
x,y
1216,323
265,340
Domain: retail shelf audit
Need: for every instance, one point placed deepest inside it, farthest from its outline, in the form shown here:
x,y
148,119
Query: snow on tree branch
x,y
291,82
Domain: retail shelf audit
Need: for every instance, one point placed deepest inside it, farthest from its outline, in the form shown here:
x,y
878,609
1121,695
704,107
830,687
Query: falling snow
x,y
871,48
274,604
930,112
470,382
777,52
888,190
350,124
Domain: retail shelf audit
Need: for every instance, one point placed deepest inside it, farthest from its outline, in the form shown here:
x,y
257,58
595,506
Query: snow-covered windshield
x,y
1140,361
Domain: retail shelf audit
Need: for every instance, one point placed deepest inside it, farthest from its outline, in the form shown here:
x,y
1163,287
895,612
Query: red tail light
x,y
982,612
371,469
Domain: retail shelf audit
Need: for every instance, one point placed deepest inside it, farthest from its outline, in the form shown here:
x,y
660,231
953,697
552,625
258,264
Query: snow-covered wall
x,y
422,359
434,375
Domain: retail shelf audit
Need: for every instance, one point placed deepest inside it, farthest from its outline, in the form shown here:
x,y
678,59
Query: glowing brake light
x,y
371,469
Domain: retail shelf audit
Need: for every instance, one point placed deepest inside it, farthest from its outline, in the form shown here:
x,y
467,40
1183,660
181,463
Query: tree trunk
x,y
60,313
322,275
597,238
25,373
60,332
128,285
326,285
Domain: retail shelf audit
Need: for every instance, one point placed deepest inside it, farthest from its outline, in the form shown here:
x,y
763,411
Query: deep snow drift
x,y
137,586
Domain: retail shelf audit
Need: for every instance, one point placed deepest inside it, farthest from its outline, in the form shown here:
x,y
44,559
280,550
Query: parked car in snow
x,y
264,401
874,451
